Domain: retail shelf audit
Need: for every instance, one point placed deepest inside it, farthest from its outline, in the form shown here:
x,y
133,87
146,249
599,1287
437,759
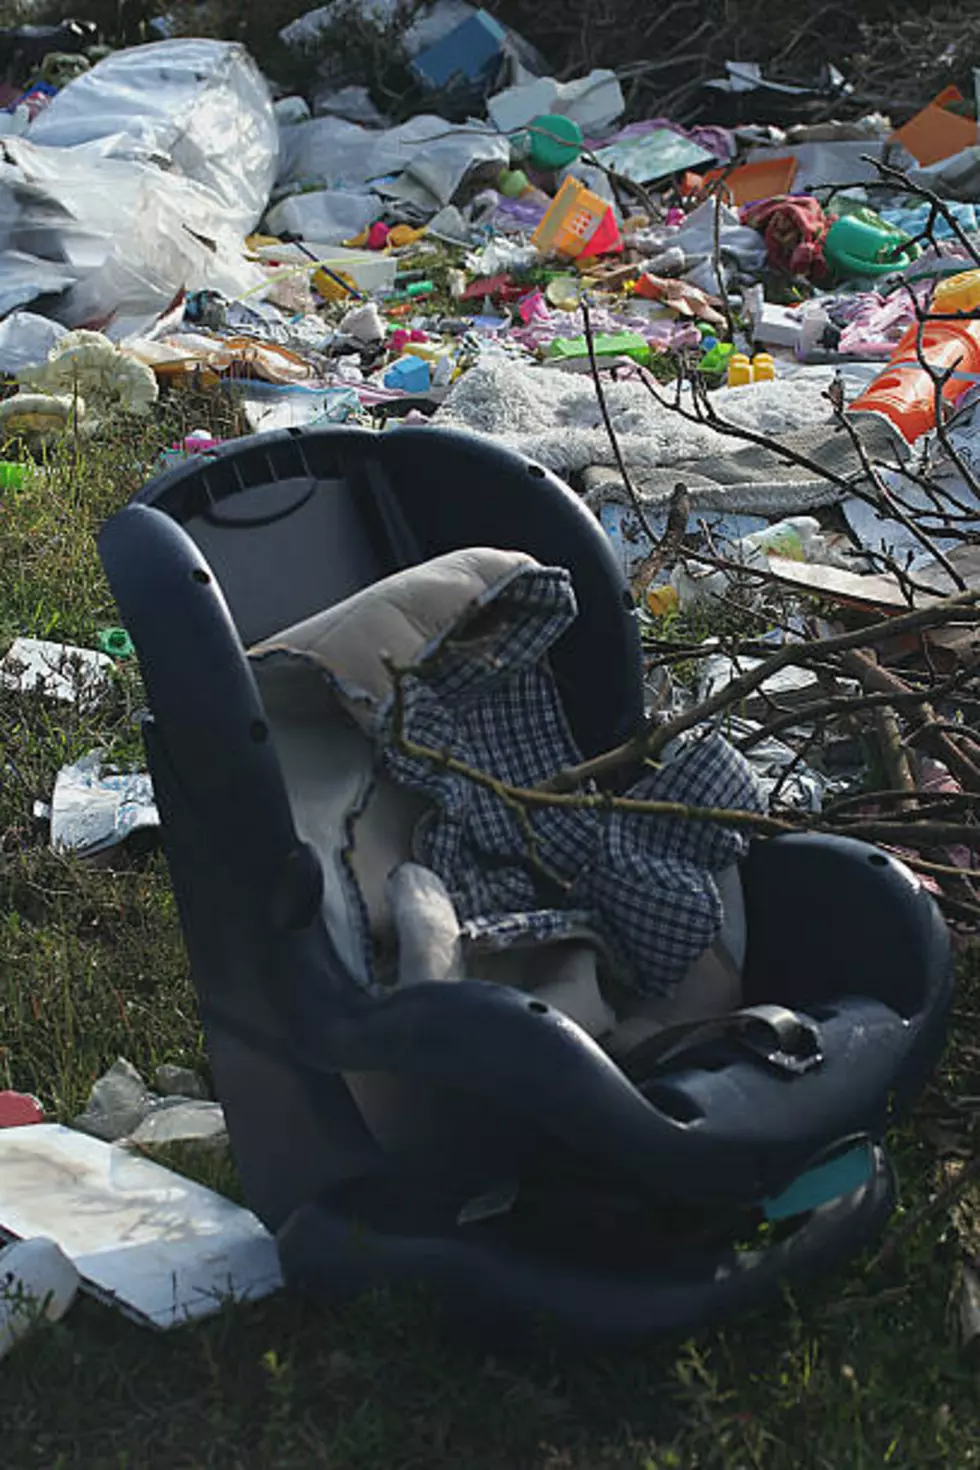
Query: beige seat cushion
x,y
394,620
361,824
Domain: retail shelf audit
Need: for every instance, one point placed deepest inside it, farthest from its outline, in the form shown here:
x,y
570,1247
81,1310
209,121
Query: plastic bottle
x,y
904,392
37,1280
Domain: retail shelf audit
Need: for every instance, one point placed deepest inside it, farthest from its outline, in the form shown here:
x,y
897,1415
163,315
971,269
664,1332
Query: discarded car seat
x,y
529,1144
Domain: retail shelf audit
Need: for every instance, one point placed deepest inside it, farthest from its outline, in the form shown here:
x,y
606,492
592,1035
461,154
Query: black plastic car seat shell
x,y
342,1106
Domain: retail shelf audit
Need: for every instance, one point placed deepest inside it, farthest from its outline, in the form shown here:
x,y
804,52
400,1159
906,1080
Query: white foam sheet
x,y
161,1248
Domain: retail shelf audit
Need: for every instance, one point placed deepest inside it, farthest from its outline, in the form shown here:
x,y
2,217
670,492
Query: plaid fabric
x,y
484,694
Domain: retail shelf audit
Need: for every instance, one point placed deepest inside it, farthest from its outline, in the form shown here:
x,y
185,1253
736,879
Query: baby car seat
x,y
528,1143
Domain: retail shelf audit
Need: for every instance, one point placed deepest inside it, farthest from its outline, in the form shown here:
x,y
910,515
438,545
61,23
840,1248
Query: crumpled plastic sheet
x,y
337,154
94,809
24,278
26,339
140,183
201,104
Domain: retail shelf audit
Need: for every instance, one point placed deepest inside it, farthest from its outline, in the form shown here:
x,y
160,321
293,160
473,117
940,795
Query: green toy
x,y
861,244
116,642
715,360
609,344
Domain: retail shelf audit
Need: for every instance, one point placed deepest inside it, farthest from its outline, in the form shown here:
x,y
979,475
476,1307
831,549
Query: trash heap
x,y
731,341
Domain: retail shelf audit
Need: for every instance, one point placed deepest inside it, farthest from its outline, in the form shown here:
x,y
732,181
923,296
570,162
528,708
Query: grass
x,y
861,1371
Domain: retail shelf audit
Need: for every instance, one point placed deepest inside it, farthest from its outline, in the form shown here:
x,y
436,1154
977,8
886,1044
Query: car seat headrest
x,y
394,619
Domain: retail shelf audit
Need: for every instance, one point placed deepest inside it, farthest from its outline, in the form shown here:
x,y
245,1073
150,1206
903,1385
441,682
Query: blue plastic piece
x,y
826,1182
471,51
410,374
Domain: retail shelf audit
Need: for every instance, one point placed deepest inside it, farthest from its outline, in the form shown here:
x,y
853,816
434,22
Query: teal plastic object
x,y
607,344
555,141
825,1182
116,642
863,245
410,375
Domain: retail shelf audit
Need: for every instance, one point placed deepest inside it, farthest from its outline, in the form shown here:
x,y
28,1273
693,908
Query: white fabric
x,y
553,417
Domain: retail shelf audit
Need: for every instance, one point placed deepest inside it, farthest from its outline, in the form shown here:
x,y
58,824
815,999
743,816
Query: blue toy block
x,y
410,374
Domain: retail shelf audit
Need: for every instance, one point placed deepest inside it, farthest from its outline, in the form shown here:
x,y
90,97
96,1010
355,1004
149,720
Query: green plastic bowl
x,y
854,247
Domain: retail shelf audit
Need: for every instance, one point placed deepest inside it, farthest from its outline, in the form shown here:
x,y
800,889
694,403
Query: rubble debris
x,y
122,1109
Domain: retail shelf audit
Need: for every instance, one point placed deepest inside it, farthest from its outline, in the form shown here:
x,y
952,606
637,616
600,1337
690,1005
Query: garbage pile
x,y
754,351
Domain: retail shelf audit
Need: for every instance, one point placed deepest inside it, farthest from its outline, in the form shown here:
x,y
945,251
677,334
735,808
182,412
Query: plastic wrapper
x,y
93,810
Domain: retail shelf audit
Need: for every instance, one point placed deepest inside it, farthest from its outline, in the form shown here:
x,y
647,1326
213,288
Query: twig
x,y
920,713
835,704
891,504
614,444
938,206
648,743
718,267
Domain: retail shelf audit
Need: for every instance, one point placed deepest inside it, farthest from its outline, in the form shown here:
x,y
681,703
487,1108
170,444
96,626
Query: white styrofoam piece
x,y
37,1280
54,669
161,1248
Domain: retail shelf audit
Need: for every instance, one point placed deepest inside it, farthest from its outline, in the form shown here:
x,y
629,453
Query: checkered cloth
x,y
485,694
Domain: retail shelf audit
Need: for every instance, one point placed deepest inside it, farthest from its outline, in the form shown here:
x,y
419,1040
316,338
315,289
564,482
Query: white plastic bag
x,y
140,184
26,339
201,105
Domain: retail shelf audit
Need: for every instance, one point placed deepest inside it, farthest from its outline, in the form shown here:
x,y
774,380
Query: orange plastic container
x,y
753,181
904,392
577,223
